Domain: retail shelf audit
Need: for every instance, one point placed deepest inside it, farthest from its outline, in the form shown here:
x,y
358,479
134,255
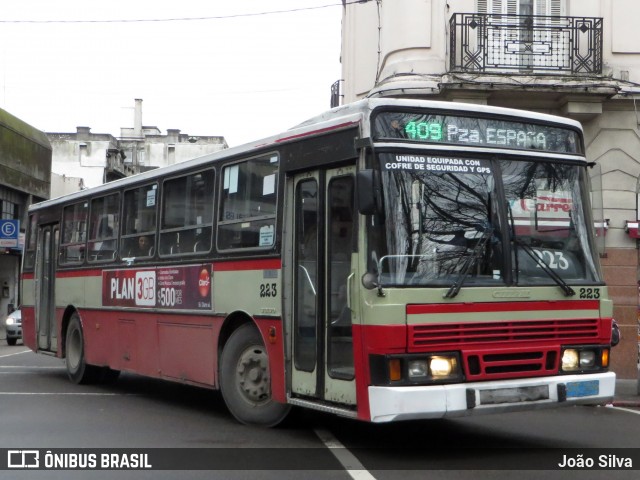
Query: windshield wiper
x,y
568,291
478,251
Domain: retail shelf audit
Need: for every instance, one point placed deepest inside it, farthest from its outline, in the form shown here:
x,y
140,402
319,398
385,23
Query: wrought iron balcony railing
x,y
336,93
482,43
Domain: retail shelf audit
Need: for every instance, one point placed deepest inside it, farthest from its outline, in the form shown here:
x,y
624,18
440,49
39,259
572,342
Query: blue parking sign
x,y
9,232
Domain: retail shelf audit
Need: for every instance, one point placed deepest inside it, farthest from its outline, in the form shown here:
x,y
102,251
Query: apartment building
x,y
575,58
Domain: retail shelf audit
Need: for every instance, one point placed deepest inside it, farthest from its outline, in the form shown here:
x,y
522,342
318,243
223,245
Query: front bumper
x,y
388,404
14,332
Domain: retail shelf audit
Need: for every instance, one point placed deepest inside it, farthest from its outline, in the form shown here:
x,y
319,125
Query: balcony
x,y
509,44
336,93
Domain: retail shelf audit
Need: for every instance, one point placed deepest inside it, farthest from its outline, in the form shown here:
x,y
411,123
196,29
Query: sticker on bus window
x,y
151,198
266,236
269,185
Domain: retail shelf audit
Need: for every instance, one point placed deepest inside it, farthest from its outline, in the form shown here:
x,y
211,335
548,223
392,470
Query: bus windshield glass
x,y
446,220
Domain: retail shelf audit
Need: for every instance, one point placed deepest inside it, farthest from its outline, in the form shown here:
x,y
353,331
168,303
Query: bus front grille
x,y
501,350
458,335
484,365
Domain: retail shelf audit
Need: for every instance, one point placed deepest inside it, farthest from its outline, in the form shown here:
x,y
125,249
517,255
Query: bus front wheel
x,y
77,368
245,381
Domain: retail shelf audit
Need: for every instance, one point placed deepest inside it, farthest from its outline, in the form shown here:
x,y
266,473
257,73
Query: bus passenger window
x,y
248,204
187,214
30,246
139,222
74,232
103,228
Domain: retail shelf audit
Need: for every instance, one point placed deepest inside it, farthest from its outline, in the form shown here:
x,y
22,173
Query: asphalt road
x,y
41,410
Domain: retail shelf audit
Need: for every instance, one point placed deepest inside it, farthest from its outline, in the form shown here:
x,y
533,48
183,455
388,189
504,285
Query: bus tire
x,y
77,368
245,381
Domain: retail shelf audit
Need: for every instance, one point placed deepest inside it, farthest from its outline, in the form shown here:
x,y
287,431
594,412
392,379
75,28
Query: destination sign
x,y
475,131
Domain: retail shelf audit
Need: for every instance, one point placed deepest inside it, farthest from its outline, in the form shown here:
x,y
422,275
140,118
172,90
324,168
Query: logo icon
x,y
204,283
23,459
8,229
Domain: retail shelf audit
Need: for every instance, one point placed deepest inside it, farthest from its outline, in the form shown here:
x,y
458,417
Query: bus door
x,y
48,238
321,346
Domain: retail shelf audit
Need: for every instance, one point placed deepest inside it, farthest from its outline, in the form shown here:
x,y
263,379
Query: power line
x,y
191,19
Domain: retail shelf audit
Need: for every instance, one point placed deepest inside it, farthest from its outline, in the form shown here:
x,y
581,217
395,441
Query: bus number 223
x,y
268,290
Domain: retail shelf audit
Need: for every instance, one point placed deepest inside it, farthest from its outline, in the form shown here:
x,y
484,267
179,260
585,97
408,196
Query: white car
x,y
13,325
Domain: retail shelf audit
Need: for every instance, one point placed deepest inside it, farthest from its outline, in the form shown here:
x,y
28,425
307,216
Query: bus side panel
x,y
175,347
273,337
368,340
29,327
28,310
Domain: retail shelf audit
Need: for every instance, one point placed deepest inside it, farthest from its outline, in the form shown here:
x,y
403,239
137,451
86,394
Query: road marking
x,y
624,409
19,373
348,460
12,354
30,367
88,394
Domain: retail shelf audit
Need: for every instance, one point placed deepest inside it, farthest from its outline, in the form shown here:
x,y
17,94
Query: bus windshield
x,y
451,220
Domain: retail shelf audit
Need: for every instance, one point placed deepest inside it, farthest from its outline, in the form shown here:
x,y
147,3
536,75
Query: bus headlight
x,y
576,359
570,360
418,369
433,368
442,366
413,369
587,359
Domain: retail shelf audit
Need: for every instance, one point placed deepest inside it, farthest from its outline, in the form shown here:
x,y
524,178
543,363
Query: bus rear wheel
x,y
77,368
245,381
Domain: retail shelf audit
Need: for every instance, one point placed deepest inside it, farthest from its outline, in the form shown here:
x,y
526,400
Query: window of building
x,y
9,204
247,215
521,7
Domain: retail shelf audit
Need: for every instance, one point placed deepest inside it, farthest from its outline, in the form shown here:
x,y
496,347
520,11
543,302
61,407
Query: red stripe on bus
x,y
502,307
28,276
264,264
315,132
78,273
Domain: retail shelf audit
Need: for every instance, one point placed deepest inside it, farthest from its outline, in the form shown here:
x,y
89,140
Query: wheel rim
x,y
74,349
252,375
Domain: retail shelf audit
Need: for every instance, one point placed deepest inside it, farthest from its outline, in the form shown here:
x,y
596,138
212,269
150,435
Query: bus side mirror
x,y
368,192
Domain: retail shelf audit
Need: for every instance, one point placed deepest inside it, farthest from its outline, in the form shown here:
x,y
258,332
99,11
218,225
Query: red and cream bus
x,y
388,260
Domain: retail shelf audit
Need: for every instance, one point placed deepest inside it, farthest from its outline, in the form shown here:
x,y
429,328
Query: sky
x,y
207,68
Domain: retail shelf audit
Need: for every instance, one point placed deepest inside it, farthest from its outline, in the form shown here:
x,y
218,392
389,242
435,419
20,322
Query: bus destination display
x,y
474,131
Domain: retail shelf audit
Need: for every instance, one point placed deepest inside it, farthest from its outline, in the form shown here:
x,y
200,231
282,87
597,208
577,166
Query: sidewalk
x,y
626,394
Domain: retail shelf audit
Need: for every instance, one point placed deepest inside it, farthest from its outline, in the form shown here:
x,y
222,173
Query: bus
x,y
388,260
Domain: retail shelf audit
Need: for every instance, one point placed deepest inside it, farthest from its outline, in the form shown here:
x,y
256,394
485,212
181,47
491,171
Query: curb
x,y
626,403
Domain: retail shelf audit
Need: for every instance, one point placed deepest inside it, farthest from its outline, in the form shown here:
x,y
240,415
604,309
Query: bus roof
x,y
338,118
366,106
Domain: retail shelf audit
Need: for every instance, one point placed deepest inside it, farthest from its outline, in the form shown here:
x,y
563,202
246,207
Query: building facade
x,y
25,172
84,159
575,58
